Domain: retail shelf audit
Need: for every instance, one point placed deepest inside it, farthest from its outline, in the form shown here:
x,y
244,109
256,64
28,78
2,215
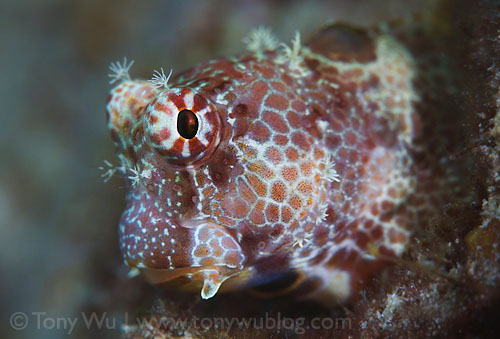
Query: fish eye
x,y
187,124
183,127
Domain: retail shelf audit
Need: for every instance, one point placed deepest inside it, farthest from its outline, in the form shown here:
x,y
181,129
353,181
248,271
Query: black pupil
x,y
187,124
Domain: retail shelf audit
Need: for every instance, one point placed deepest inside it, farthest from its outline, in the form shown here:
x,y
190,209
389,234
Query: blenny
x,y
286,169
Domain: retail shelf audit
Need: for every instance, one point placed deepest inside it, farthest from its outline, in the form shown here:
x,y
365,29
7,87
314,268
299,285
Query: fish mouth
x,y
196,252
208,278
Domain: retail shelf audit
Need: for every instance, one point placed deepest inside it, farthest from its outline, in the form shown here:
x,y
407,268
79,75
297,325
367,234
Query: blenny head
x,y
289,170
190,152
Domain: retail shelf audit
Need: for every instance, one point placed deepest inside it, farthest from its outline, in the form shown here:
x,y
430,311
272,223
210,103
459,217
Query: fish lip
x,y
163,275
226,278
170,274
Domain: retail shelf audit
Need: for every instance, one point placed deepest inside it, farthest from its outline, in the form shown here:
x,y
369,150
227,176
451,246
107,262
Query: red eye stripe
x,y
178,146
178,99
180,139
195,146
199,103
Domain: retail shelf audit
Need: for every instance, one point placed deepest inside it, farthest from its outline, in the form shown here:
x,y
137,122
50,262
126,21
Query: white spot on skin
x,y
322,125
